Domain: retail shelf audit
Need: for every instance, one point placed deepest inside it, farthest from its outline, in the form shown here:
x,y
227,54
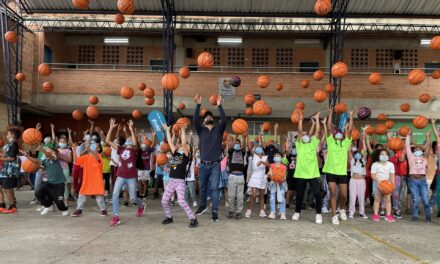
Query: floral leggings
x,y
178,186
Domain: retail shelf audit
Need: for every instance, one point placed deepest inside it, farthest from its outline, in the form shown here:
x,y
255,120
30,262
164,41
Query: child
x,y
10,171
144,168
224,175
382,170
236,159
179,162
190,190
65,157
277,189
357,183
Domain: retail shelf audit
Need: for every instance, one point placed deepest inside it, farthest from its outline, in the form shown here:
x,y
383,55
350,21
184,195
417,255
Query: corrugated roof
x,y
251,7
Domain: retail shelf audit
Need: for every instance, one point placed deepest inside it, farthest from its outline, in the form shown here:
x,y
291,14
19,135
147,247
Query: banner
x,y
343,121
157,120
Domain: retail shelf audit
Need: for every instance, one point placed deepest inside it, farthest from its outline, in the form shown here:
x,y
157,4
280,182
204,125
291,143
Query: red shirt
x,y
127,163
401,167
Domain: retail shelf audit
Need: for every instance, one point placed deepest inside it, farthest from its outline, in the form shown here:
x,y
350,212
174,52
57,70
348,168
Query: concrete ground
x,y
28,237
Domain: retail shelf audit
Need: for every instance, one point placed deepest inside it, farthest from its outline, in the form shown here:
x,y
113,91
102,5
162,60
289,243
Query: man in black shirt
x,y
210,145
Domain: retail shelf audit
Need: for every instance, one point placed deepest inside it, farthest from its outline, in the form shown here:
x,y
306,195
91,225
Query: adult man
x,y
210,145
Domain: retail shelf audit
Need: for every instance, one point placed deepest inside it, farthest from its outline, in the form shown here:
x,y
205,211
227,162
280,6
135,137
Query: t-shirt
x,y
336,161
127,163
236,160
178,165
145,157
105,163
54,171
307,160
10,168
358,167
192,175
402,166
270,152
382,171
417,165
92,182
64,153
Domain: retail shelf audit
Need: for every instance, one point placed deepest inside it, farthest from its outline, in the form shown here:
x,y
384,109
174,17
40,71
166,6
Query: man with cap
x,y
210,141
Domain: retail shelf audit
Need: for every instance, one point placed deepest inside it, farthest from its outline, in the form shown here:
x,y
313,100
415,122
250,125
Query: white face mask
x,y
353,149
305,139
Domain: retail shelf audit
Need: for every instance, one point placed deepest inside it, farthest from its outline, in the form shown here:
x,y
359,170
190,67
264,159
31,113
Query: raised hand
x,y
113,123
165,127
433,120
52,126
219,100
198,99
38,126
324,121
130,124
69,130
91,121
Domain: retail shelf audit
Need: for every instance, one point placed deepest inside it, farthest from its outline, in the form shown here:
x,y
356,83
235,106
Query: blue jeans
x,y
209,175
281,197
419,187
131,183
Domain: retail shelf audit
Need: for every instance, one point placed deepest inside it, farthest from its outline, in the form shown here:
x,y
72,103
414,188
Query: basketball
x,y
203,111
364,113
266,126
375,78
340,108
416,77
126,6
322,7
11,37
249,98
235,81
239,126
305,84
278,174
32,136
435,43
136,114
127,92
119,19
424,98
300,105
259,107
92,112
184,120
380,129
141,86
339,69
435,74
420,122
355,134
164,147
405,107
20,77
213,99
382,117
269,110
249,111
81,4
403,131
389,124
170,81
369,130
161,159
44,69
318,75
263,81
279,86
77,115
295,116
93,100
395,144
47,87
385,187
320,96
30,166
205,60
181,106
148,142
176,129
149,92
149,100
184,72
329,88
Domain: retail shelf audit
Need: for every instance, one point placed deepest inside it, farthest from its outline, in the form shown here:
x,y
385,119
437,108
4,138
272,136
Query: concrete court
x,y
28,237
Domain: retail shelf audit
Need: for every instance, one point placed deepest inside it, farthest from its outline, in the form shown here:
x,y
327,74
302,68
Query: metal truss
x,y
168,26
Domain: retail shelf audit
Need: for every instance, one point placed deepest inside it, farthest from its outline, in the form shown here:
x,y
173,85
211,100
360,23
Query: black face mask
x,y
209,122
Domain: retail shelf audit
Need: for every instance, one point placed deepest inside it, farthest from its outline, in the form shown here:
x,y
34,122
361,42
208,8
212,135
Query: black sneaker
x,y
126,204
287,206
193,223
71,199
214,217
167,221
398,215
201,210
428,219
155,196
76,213
238,216
230,215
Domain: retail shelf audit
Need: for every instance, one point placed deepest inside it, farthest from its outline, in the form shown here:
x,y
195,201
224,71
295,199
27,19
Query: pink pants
x,y
357,190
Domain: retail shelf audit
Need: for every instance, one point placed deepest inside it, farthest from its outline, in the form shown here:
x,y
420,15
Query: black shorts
x,y
291,183
9,183
338,179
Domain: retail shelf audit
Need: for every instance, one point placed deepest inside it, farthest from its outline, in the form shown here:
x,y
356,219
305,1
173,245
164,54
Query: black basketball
x,y
235,81
364,113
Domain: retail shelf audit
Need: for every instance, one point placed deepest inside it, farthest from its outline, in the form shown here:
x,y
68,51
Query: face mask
x,y
353,149
180,151
62,145
93,147
95,138
92,141
237,147
294,152
357,156
116,142
11,140
209,122
128,143
258,150
197,155
143,146
87,137
47,141
305,139
383,158
277,159
169,156
338,136
418,153
391,153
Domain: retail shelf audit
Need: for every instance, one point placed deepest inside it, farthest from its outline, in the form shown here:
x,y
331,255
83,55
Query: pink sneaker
x,y
390,219
115,221
376,218
141,210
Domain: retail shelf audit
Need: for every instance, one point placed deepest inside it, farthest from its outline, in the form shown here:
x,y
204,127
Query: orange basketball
x,y
81,4
92,112
148,142
249,98
136,114
239,126
305,84
403,131
380,129
205,60
269,110
30,166
320,96
374,78
149,92
182,106
424,98
420,122
416,77
263,81
386,187
295,116
369,130
279,86
259,107
44,69
141,86
405,107
149,100
435,74
77,114
395,144
249,111
164,147
266,126
127,92
161,159
339,69
32,136
184,120
126,6
318,75
213,99
20,77
184,72
435,43
119,19
203,111
11,37
170,81
355,134
329,88
322,7
300,105
176,129
93,100
382,117
47,87
389,124
278,174
340,108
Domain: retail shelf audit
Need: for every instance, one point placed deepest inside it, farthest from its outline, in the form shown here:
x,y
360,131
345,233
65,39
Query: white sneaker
x,y
283,216
34,201
194,204
335,220
342,215
295,217
318,219
44,211
226,204
263,213
65,213
39,209
324,210
271,216
248,213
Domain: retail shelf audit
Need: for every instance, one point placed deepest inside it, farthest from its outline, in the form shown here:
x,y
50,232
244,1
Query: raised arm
x,y
367,139
275,132
197,123
69,133
329,120
185,145
436,133
324,135
300,126
312,128
428,144
153,135
318,125
108,139
350,123
169,139
222,123
408,143
133,133
52,130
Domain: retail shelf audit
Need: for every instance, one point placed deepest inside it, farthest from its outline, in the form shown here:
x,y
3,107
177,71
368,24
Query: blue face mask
x,y
237,147
418,153
128,143
258,150
93,147
383,158
277,159
62,145
47,141
339,136
294,152
357,156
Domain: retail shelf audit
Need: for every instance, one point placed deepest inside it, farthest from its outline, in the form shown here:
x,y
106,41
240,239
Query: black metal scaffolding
x,y
169,24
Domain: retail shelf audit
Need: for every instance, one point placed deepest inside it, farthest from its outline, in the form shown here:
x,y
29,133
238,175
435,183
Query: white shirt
x,y
192,177
356,167
382,171
114,157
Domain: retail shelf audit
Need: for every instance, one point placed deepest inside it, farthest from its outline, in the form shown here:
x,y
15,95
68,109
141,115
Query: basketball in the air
x,y
239,126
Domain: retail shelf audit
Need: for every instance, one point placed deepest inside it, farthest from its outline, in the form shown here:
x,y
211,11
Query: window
x,y
215,52
384,58
410,58
308,66
110,55
260,57
135,55
47,55
86,54
359,59
284,57
156,65
235,56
